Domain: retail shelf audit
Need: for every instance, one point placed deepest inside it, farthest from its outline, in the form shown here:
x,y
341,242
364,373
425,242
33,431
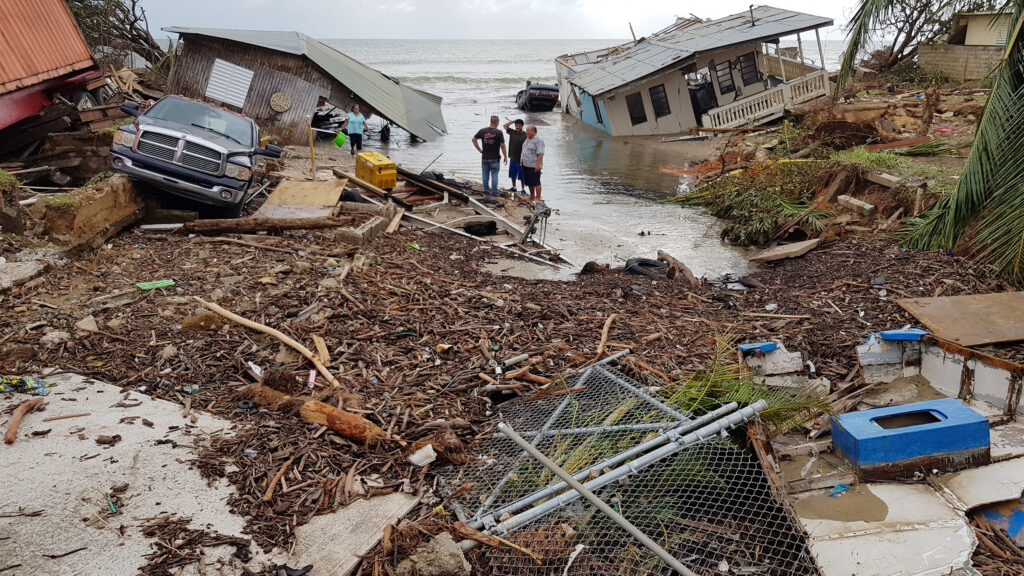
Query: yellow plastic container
x,y
377,169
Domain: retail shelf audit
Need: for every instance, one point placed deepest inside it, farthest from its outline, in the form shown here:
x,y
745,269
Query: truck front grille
x,y
193,155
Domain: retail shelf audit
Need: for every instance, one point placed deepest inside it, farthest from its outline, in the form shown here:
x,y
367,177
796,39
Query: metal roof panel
x,y
687,39
39,40
417,111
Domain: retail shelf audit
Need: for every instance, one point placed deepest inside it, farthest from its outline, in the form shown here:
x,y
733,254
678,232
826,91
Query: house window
x,y
597,110
748,69
723,72
228,83
659,101
635,106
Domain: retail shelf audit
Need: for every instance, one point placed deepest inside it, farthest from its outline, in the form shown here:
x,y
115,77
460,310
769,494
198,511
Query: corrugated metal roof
x,y
39,40
677,43
414,110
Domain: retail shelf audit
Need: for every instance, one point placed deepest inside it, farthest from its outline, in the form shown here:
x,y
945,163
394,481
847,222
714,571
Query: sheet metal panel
x,y
39,40
414,110
677,43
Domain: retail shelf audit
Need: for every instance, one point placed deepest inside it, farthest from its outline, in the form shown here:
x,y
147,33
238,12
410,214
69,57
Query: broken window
x,y
723,73
659,101
635,106
597,110
228,83
748,69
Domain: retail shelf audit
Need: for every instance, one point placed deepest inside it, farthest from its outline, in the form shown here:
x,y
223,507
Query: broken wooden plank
x,y
254,224
395,222
784,251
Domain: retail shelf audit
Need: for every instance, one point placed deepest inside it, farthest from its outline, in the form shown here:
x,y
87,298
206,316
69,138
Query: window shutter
x,y
228,83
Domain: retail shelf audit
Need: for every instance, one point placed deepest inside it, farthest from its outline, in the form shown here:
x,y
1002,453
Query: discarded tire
x,y
646,267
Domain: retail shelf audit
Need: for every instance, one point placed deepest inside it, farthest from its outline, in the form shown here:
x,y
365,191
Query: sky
x,y
476,19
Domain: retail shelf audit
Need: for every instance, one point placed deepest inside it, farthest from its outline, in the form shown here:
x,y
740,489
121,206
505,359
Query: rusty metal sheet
x,y
971,320
39,40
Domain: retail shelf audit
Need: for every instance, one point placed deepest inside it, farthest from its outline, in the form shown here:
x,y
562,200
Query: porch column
x,y
800,47
821,53
782,65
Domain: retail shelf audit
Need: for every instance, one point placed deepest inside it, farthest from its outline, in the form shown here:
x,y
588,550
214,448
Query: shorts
x,y
356,140
531,176
515,170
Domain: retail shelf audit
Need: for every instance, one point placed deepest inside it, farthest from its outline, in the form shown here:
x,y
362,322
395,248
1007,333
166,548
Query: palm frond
x,y
860,28
986,200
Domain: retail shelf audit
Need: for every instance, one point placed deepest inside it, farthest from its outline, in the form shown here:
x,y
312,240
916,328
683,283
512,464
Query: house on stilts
x,y
695,74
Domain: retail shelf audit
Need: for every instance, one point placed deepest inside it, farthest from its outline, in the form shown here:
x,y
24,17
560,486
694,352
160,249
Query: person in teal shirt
x,y
354,127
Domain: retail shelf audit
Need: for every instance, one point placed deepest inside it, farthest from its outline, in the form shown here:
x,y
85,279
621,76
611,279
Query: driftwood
x,y
19,413
347,424
276,334
248,225
677,266
469,533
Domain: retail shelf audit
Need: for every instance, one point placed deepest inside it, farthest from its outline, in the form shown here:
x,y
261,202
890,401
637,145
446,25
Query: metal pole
x,y
601,429
610,462
821,52
312,155
593,499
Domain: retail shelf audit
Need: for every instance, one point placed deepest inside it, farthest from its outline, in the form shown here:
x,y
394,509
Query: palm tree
x,y
984,216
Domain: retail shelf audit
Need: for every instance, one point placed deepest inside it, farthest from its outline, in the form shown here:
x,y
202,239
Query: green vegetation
x,y
99,179
61,201
8,183
116,125
933,148
870,160
756,200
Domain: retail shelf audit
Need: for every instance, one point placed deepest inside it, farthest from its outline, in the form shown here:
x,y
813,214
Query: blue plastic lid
x,y
904,334
758,346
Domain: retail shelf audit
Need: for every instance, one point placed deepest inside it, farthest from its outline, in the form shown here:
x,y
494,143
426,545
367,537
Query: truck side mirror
x,y
131,109
271,151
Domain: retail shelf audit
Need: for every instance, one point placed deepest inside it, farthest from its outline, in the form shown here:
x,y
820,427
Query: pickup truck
x,y
191,149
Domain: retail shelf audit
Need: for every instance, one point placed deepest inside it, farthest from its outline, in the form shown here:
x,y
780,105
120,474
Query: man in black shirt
x,y
516,137
490,160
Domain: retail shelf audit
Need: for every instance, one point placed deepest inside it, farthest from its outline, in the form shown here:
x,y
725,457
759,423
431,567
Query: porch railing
x,y
768,104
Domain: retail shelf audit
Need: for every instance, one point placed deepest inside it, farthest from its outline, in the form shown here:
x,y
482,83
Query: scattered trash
x,y
838,490
24,385
413,246
155,284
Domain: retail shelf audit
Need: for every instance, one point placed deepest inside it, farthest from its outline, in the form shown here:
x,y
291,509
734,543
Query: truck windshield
x,y
204,116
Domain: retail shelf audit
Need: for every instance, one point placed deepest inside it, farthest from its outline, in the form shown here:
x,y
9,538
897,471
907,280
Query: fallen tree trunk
x,y
678,266
347,424
248,225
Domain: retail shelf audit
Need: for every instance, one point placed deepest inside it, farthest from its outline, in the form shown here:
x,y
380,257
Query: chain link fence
x,y
708,504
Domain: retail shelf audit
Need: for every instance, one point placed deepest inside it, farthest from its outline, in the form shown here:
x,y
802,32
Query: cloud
x,y
403,6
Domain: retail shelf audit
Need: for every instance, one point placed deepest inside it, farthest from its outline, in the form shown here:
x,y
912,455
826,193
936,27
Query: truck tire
x,y
645,267
83,100
230,211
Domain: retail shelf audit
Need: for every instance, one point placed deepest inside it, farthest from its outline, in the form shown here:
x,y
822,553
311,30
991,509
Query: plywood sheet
x,y
302,199
971,320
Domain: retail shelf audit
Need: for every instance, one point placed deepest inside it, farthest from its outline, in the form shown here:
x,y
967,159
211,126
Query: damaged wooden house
x,y
697,74
280,78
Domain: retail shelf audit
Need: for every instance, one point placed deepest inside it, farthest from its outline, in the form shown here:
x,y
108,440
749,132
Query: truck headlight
x,y
122,138
237,172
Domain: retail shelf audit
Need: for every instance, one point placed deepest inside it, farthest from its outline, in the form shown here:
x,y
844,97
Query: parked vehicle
x,y
191,149
537,97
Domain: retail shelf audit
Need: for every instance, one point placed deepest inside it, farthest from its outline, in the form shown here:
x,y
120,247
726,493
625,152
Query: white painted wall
x,y
986,30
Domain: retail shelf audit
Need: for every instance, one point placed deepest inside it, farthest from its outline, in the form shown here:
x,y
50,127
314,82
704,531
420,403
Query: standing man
x,y
533,162
516,138
493,142
354,128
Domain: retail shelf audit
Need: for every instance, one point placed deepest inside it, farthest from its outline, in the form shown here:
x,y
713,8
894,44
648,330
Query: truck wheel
x,y
230,211
83,100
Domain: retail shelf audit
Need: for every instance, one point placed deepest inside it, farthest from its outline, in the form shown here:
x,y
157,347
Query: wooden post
x,y
799,48
821,52
782,65
312,155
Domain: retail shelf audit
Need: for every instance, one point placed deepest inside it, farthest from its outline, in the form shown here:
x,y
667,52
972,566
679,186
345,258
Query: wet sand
x,y
858,504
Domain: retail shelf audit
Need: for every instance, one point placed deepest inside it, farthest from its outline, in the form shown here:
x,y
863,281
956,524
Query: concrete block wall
x,y
959,62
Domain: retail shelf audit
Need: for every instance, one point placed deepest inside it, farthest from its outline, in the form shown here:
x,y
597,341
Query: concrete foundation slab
x,y
986,484
886,529
66,475
333,543
784,251
17,273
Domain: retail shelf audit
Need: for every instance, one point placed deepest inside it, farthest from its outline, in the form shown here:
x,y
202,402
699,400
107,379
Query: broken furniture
x,y
897,441
772,365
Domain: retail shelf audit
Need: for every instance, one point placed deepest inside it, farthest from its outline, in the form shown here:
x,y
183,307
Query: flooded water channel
x,y
604,191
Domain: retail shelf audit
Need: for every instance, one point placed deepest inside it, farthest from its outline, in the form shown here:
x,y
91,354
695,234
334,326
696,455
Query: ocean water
x,y
604,191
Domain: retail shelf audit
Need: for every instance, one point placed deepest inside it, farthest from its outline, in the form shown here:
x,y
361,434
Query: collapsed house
x,y
280,78
715,74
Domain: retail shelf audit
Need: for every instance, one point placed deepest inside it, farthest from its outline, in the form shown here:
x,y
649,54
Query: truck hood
x,y
212,137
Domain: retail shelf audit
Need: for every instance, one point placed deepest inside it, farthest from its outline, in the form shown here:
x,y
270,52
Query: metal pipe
x,y
597,502
634,390
610,462
676,445
602,429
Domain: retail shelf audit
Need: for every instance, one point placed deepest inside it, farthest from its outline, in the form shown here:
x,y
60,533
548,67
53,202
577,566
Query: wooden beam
x,y
246,225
